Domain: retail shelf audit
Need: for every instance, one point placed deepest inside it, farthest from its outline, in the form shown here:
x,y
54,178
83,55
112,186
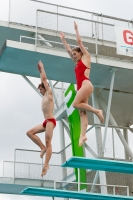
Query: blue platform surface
x,y
70,194
99,164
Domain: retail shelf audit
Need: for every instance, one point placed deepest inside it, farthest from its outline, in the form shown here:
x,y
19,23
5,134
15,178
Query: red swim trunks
x,y
49,120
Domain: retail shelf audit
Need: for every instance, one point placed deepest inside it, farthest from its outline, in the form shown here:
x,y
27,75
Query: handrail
x,y
110,126
113,186
28,163
39,151
89,20
98,14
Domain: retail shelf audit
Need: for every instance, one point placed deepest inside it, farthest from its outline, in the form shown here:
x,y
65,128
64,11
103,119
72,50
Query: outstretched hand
x,y
62,35
40,66
75,26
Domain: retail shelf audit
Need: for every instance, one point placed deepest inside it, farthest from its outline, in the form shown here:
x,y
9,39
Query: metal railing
x,y
112,189
111,151
47,16
27,164
102,33
33,5
30,171
31,159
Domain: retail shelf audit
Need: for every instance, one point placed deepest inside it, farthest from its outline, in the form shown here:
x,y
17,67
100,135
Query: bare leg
x,y
48,138
81,103
84,124
86,107
32,135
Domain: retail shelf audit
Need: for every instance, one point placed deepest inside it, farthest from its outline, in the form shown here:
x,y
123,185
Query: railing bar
x,y
123,186
105,16
39,151
29,163
62,149
74,17
47,41
110,126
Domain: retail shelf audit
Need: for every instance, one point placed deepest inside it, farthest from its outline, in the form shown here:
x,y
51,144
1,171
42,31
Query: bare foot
x,y
45,169
82,139
43,151
100,115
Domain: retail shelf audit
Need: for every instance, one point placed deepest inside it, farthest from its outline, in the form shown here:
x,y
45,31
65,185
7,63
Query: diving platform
x,y
23,45
21,58
99,164
71,194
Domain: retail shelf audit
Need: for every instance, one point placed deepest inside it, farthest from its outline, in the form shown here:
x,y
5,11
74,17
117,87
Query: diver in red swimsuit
x,y
84,87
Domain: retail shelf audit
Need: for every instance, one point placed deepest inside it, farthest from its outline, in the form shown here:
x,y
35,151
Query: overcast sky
x,y
20,107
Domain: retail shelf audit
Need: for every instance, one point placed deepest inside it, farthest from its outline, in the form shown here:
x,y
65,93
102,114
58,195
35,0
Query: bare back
x,y
48,105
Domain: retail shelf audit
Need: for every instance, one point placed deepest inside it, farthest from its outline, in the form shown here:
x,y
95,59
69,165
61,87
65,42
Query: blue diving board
x,y
71,194
99,164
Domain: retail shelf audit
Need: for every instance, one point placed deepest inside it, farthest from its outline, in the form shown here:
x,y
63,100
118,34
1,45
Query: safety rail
x,y
27,164
98,39
33,5
47,16
115,188
110,151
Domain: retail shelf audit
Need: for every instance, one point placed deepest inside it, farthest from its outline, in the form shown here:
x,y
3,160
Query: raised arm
x,y
79,41
67,47
43,76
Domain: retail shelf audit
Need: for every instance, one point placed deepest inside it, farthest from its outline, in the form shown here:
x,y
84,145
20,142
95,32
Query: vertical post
x,y
125,134
36,29
78,179
63,154
96,40
9,12
102,28
102,175
62,87
62,144
57,18
108,108
113,143
96,121
92,26
97,27
54,185
127,190
3,168
114,189
42,176
14,163
29,170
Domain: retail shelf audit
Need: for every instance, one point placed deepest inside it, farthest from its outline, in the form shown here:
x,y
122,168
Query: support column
x,y
108,109
62,144
66,126
125,134
102,175
63,154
